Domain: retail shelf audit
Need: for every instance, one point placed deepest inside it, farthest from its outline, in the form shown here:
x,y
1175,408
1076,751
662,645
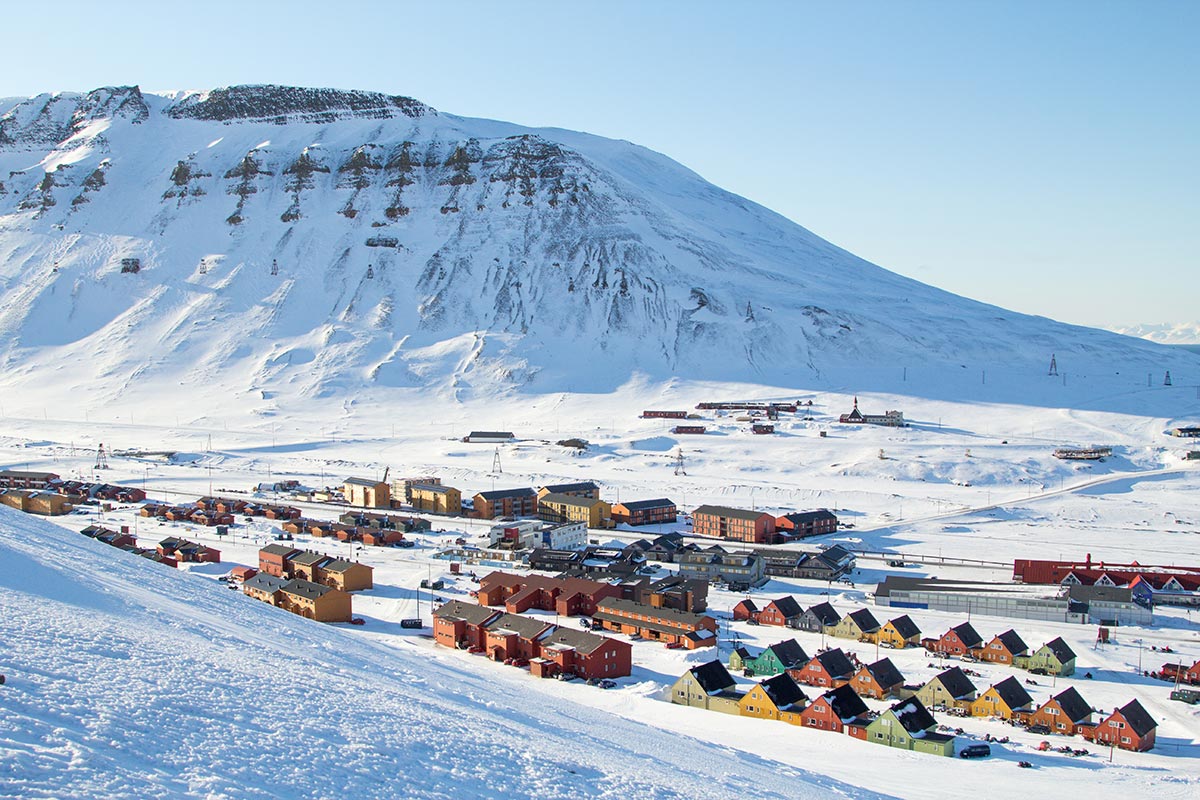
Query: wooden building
x,y
579,489
830,669
733,523
566,597
435,498
1055,657
521,502
774,698
657,624
563,508
782,612
313,601
949,689
803,524
1065,713
860,625
367,493
878,681
908,725
1004,648
899,633
645,512
834,710
708,686
1128,728
349,576
1006,699
958,641
818,617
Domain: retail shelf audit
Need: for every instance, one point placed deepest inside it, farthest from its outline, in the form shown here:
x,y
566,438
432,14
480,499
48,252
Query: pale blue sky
x,y
1042,156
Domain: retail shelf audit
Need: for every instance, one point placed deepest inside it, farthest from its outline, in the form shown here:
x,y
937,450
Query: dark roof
x,y
885,673
490,435
743,653
559,488
309,558
306,589
788,606
1111,594
669,615
1073,704
1012,693
643,505
732,513
17,473
864,619
790,653
472,613
913,715
713,677
1141,722
748,603
362,482
905,626
967,635
835,662
845,702
783,690
264,582
580,641
500,494
1011,640
525,627
338,565
808,516
1060,649
956,682
568,500
825,613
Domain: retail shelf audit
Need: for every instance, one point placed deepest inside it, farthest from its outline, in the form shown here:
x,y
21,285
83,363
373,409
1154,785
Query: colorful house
x,y
733,523
784,612
708,686
908,725
313,601
578,489
506,503
1006,699
366,492
774,698
645,512
818,618
1004,648
349,576
899,633
830,669
860,625
657,624
960,640
1064,713
1055,657
574,508
877,681
264,587
1128,727
586,655
435,498
949,689
776,659
461,625
567,597
745,611
834,710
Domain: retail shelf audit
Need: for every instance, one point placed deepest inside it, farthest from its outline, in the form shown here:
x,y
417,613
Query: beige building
x,y
347,576
313,601
435,498
572,508
367,493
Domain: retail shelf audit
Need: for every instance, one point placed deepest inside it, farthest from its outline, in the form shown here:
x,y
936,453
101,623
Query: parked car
x,y
975,751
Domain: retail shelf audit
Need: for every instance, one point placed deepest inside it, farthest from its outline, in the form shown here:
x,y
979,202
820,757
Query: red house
x,y
461,625
745,610
586,654
958,641
565,596
833,710
1128,727
273,559
784,612
830,669
1003,648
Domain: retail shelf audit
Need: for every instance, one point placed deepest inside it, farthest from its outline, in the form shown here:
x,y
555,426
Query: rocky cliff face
x,y
267,238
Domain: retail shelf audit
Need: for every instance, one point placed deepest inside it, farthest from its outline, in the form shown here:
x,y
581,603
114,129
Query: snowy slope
x,y
129,680
499,257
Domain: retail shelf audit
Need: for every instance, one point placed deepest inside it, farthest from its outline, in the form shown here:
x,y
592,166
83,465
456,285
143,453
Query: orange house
x,y
834,710
1064,713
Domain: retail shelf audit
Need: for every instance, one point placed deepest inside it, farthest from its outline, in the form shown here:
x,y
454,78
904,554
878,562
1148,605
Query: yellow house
x,y
313,601
572,508
346,575
435,498
1006,699
775,698
899,633
860,625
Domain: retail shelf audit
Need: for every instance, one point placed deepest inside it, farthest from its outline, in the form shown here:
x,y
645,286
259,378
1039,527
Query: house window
x,y
1116,724
1124,740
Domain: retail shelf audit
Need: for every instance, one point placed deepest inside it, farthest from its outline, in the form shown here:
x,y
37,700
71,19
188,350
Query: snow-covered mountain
x,y
1187,333
310,243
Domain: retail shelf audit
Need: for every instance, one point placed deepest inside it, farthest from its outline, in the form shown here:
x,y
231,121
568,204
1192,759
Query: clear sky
x,y
1043,156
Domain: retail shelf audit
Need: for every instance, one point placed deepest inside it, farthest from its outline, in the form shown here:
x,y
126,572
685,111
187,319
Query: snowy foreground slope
x,y
125,680
417,249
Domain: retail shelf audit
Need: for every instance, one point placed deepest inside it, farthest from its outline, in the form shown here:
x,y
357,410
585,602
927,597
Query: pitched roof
x,y
799,517
732,513
1060,649
308,558
748,604
783,690
472,613
825,614
338,565
644,505
579,641
845,702
912,715
1012,641
490,435
1012,693
967,635
788,606
305,589
1141,722
568,500
1073,704
885,673
500,494
361,482
560,488
790,653
905,626
666,614
835,662
955,682
525,627
264,583
864,619
712,677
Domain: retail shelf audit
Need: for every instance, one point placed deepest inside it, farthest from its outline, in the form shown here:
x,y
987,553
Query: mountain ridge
x,y
419,249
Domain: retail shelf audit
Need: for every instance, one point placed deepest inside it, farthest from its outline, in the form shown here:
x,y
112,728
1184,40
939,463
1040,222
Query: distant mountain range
x,y
270,240
1185,333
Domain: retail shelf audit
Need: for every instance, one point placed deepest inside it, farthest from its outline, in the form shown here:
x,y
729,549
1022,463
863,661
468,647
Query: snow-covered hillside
x,y
130,680
419,249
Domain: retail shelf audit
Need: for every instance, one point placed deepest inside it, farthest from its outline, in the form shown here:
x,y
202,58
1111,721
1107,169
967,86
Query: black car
x,y
975,751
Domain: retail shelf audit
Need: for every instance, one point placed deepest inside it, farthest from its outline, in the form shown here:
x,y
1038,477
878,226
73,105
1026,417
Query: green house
x,y
1053,658
908,725
774,660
